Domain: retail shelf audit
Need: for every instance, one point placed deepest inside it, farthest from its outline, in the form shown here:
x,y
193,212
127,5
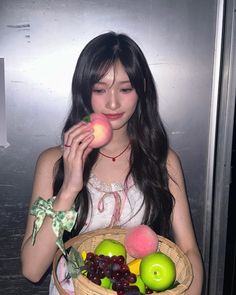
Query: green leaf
x,y
75,263
87,119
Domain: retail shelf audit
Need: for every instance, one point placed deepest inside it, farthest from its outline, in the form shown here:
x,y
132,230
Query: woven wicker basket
x,y
89,241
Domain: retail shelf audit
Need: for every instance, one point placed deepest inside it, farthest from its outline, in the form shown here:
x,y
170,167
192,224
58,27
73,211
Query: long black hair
x,y
148,138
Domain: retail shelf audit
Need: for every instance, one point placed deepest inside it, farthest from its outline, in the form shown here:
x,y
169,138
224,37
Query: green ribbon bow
x,y
61,220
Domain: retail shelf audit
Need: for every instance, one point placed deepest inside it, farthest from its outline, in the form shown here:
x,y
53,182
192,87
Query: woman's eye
x,y
98,91
126,90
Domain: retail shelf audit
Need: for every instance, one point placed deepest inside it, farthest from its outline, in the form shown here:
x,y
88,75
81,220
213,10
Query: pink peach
x,y
102,129
141,241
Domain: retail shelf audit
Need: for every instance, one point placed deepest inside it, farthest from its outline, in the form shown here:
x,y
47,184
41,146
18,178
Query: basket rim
x,y
78,240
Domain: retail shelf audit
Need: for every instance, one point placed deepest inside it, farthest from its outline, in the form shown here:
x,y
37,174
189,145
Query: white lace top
x,y
112,204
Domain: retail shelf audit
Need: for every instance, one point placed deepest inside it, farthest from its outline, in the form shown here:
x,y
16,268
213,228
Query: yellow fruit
x,y
83,254
134,266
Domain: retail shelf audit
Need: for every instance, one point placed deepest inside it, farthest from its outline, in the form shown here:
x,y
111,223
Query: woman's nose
x,y
113,102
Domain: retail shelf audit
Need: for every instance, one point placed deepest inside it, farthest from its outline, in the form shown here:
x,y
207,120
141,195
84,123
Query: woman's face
x,y
115,97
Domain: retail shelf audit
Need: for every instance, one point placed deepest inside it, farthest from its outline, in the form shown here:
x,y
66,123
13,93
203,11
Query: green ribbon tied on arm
x,y
61,220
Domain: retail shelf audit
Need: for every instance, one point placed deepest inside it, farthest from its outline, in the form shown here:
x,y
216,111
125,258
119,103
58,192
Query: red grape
x,y
115,268
132,278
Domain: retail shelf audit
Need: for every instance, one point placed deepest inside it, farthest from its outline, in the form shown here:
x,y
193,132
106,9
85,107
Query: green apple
x,y
157,271
110,247
140,284
106,283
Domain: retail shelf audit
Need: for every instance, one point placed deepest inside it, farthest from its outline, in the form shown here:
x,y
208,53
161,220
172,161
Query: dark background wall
x,y
39,45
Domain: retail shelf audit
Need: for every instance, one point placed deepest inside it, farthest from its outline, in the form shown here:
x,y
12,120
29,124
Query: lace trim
x,y
110,188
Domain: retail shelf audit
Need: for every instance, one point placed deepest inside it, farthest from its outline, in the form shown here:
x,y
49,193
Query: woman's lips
x,y
114,116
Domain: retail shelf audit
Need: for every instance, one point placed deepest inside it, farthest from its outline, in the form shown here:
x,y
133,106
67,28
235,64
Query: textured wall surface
x,y
40,42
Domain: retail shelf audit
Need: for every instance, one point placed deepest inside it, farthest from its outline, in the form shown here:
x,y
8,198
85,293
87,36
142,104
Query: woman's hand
x,y
76,149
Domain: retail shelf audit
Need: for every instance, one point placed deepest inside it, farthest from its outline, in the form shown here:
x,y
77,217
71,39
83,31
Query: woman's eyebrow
x,y
118,82
100,82
123,82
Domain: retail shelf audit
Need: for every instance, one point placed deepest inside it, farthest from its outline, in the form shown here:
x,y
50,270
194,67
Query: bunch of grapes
x,y
115,268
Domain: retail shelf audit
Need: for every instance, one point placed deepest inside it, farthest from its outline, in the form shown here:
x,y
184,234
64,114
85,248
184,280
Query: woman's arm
x,y
182,223
38,257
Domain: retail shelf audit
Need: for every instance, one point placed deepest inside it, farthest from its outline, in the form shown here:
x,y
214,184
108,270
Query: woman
x,y
145,182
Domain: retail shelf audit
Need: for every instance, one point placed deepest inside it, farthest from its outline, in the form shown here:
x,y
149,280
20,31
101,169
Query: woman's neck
x,y
119,140
112,164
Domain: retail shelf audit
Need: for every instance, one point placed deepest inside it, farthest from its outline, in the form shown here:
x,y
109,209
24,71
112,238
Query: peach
x,y
102,129
141,241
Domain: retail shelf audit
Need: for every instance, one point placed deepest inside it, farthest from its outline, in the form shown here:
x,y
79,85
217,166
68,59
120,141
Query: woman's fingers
x,y
74,158
76,149
76,144
85,146
76,135
74,131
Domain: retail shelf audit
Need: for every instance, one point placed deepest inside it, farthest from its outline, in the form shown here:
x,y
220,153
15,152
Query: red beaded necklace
x,y
115,157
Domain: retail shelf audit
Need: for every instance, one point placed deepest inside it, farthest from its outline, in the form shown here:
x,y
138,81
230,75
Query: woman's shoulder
x,y
172,156
173,162
50,156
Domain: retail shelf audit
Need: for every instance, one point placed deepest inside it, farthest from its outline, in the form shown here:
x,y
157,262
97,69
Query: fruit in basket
x,y
183,266
134,266
110,247
141,241
102,129
157,271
